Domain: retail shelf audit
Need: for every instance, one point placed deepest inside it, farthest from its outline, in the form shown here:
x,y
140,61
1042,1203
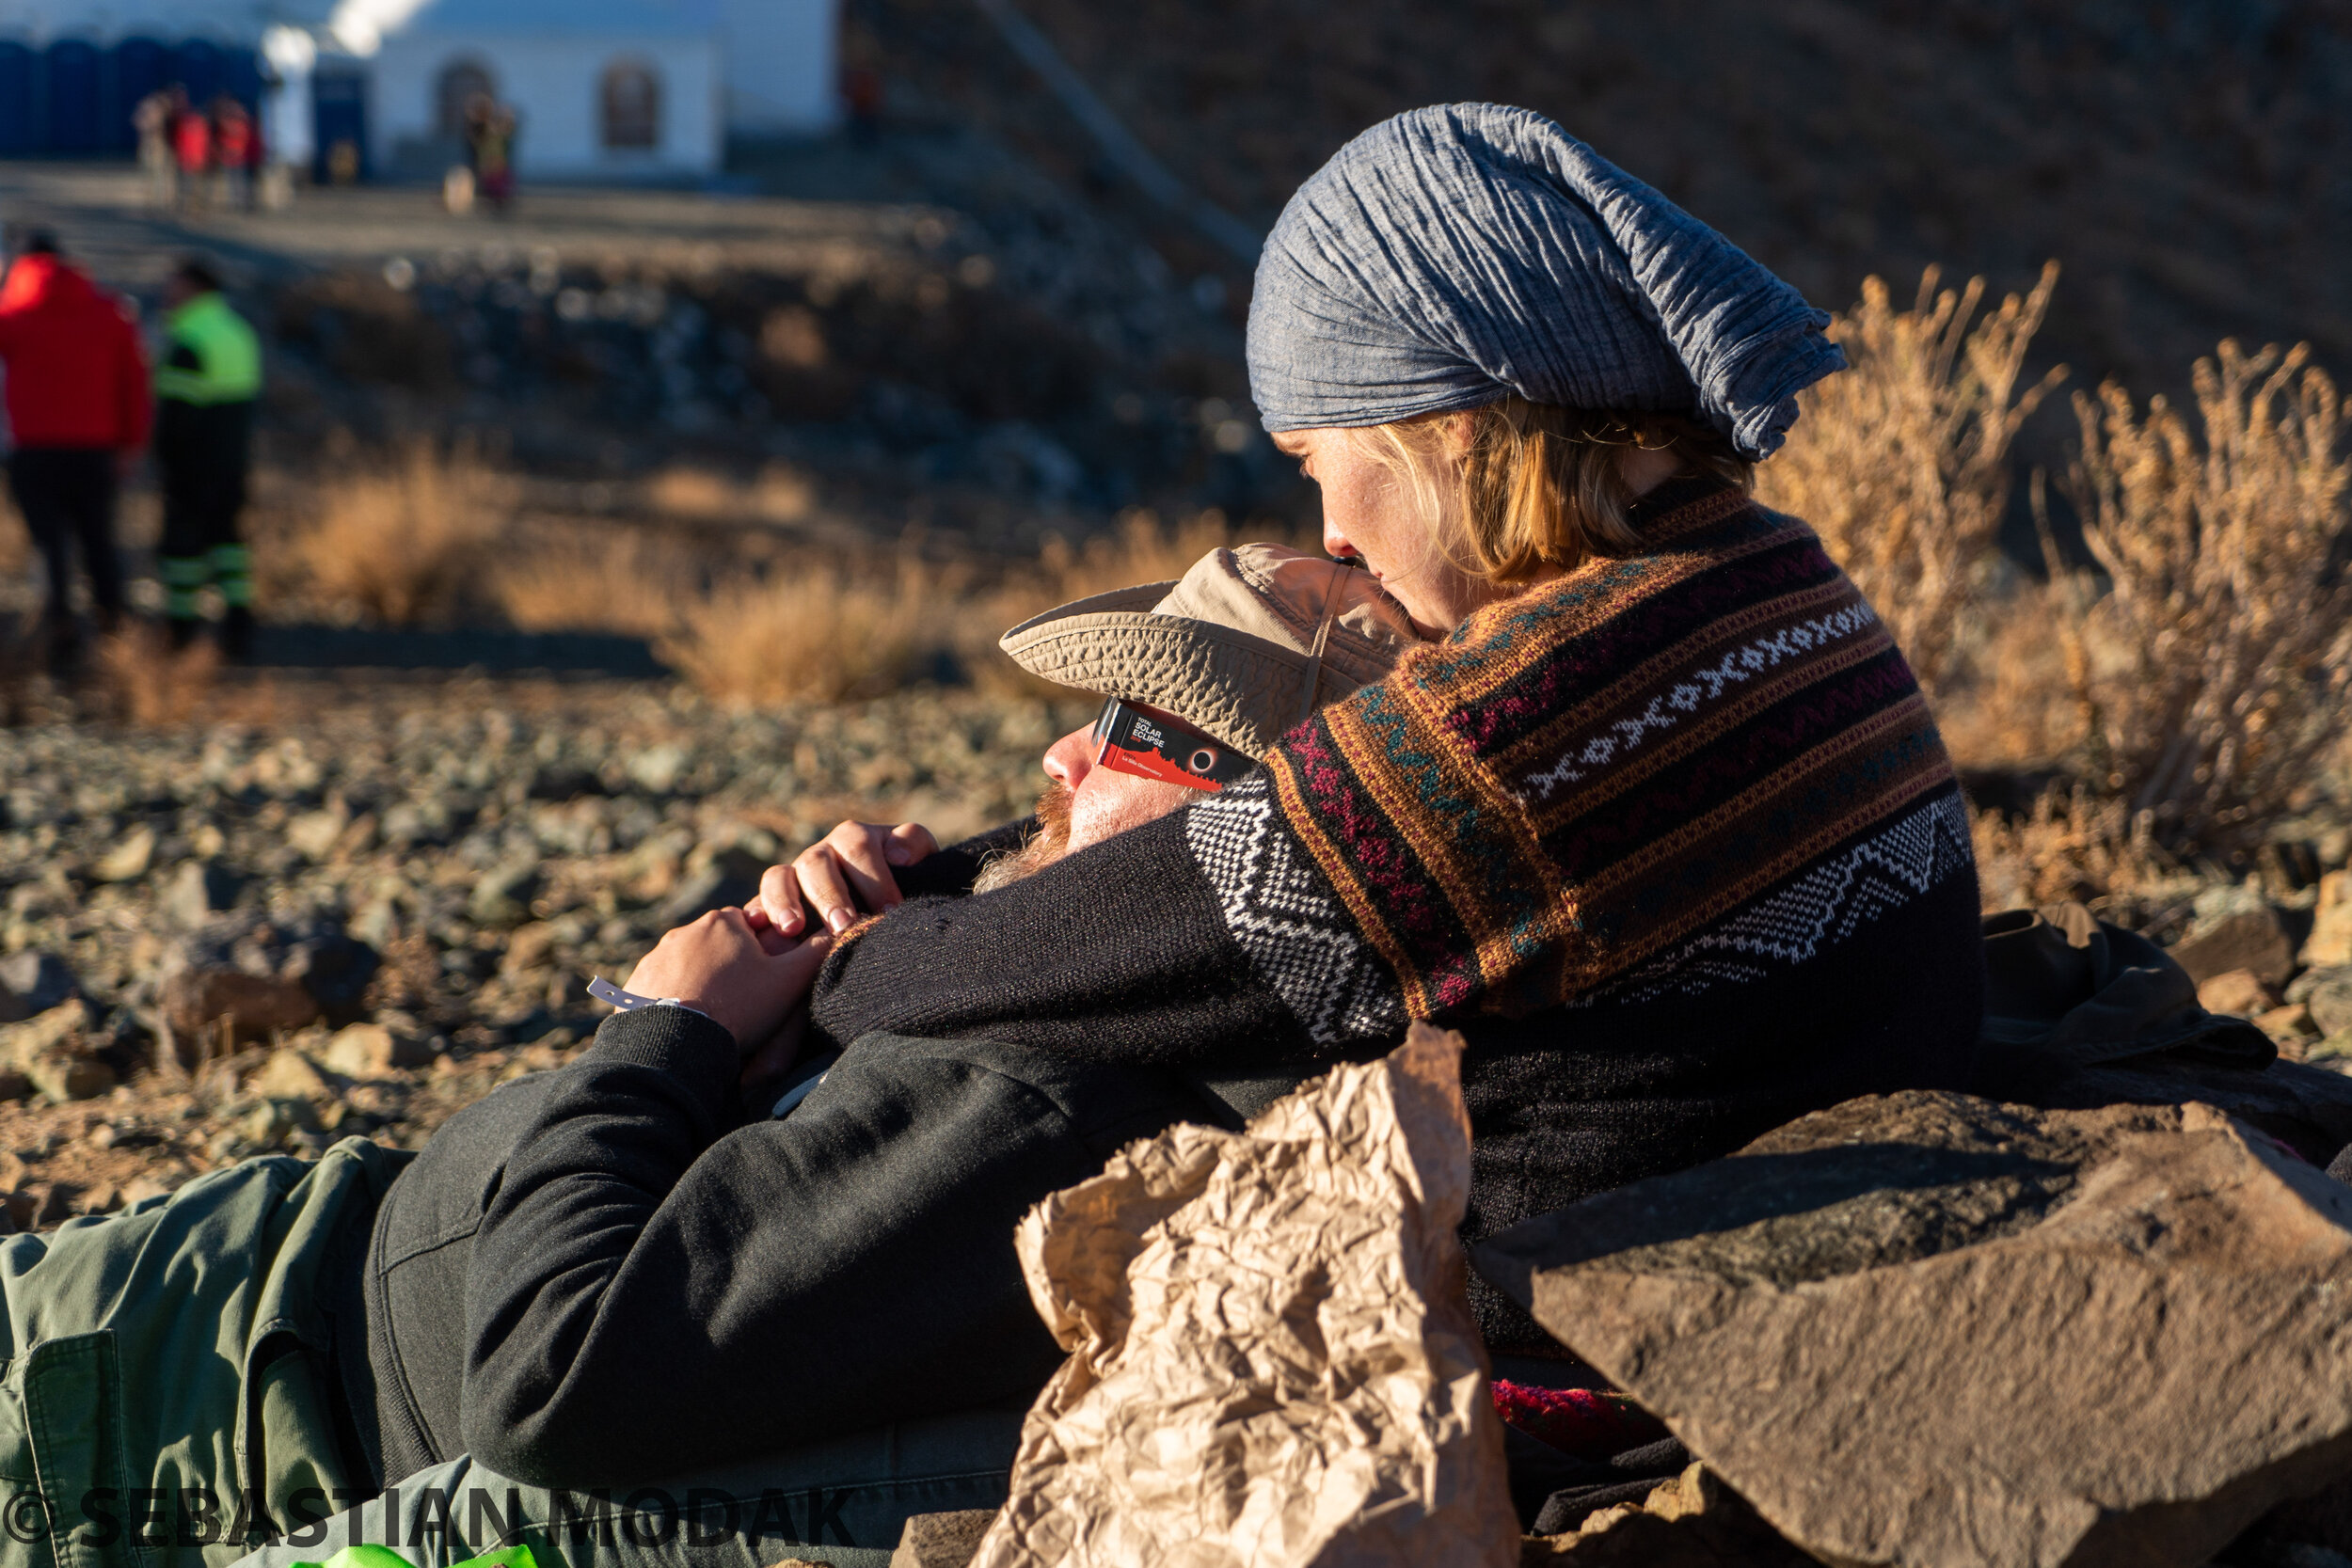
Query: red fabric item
x,y
192,140
76,375
1589,1423
235,141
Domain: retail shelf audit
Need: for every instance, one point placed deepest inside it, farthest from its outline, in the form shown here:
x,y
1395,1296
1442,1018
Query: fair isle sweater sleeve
x,y
1660,770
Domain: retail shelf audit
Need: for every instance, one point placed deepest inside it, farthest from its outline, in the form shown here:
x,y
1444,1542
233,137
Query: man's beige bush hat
x,y
1245,645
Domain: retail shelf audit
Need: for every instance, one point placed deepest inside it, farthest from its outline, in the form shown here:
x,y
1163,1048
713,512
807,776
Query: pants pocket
x,y
63,1475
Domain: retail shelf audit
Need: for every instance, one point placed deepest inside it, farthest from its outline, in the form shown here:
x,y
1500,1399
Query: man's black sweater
x,y
605,1274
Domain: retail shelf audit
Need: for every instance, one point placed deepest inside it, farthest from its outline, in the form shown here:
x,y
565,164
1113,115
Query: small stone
x,y
2290,1022
531,947
128,861
56,1029
378,924
2252,938
139,1189
314,833
942,1540
269,1124
656,769
2237,992
2335,891
199,890
63,1078
2330,942
502,897
2330,1004
39,980
290,1075
371,1050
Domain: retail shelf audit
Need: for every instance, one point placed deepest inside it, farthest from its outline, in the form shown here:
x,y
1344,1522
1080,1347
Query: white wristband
x,y
629,1001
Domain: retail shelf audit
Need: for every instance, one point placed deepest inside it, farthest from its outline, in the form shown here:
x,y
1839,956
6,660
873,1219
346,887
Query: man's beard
x,y
1047,845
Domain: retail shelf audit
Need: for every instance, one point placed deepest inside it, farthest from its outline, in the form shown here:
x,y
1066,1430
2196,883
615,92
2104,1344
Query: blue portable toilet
x,y
74,121
241,76
141,66
339,112
20,87
196,65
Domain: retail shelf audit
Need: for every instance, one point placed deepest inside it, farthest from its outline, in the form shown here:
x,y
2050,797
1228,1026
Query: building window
x,y
464,84
632,106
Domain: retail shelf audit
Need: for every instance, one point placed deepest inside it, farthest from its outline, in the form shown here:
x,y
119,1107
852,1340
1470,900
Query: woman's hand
x,y
842,876
736,969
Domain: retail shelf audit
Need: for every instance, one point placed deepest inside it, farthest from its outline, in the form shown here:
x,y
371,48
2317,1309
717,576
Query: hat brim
x,y
1112,644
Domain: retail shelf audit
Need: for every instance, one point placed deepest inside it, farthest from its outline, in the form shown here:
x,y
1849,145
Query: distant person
x,y
152,120
77,403
862,96
236,151
491,128
192,155
204,392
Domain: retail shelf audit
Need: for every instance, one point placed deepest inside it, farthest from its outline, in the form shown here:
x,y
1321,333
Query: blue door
x,y
20,76
196,65
339,113
74,123
141,66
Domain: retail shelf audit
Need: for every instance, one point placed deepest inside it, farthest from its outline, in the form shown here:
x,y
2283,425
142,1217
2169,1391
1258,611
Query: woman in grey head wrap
x,y
1589,337
1657,816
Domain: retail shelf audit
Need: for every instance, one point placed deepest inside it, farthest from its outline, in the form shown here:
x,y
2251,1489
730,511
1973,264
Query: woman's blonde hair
x,y
1530,485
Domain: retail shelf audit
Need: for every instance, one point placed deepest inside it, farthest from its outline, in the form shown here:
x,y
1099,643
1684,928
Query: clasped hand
x,y
749,970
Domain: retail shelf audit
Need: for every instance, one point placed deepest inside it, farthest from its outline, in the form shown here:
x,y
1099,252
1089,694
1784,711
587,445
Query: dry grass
x,y
2073,845
626,584
1902,463
2212,672
400,543
145,683
822,636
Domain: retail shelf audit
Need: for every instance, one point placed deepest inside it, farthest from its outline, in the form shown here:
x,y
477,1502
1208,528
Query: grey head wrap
x,y
1455,254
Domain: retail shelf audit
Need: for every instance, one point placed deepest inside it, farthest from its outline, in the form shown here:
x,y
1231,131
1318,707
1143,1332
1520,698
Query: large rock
x,y
255,1006
2252,938
1928,1329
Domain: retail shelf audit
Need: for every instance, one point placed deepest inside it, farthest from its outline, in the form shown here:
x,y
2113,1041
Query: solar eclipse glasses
x,y
1146,742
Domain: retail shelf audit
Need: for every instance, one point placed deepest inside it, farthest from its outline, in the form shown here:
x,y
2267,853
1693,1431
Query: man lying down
x,y
719,1299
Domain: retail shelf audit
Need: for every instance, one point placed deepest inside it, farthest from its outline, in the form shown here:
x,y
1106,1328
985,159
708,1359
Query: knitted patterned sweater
x,y
1673,839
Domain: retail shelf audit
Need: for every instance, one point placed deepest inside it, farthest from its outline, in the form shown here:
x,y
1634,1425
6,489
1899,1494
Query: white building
x,y
603,89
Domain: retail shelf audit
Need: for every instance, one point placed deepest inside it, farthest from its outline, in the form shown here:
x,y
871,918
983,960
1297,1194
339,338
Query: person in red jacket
x,y
77,403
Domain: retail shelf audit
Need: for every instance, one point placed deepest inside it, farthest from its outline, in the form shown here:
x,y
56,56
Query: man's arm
x,y
1193,941
654,1291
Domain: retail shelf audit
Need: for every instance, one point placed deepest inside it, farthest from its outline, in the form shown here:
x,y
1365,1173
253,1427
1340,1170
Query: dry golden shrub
x,y
2013,707
622,584
400,543
147,684
2211,673
1901,463
821,636
2073,845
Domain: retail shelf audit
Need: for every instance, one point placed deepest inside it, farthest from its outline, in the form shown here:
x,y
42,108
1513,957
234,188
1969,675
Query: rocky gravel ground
x,y
397,894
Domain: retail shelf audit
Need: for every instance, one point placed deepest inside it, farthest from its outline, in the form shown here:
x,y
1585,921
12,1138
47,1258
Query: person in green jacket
x,y
205,391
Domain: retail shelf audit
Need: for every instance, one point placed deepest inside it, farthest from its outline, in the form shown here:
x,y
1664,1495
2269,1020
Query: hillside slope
x,y
2189,163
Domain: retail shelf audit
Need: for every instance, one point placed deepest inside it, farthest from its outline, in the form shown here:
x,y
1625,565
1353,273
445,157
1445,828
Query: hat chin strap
x,y
1314,658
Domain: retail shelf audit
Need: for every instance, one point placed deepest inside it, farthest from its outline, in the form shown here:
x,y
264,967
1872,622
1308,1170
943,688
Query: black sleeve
x,y
1118,952
651,1293
951,871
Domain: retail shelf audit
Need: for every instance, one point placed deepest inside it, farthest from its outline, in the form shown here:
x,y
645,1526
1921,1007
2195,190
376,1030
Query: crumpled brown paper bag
x,y
1273,1359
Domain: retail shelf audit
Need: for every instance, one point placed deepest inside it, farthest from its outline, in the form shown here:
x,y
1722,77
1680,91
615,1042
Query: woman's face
x,y
1369,512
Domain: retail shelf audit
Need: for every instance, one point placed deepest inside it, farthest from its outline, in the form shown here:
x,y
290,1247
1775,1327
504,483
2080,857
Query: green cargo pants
x,y
167,1399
